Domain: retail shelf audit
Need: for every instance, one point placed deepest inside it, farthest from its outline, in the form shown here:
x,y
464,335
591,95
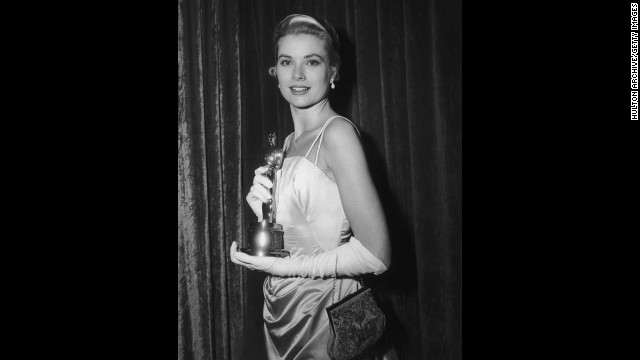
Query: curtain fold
x,y
400,83
194,290
210,214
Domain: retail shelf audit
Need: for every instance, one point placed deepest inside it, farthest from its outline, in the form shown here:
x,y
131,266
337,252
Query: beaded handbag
x,y
356,322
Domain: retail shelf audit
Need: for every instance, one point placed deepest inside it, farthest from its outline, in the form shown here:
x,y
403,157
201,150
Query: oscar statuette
x,y
265,238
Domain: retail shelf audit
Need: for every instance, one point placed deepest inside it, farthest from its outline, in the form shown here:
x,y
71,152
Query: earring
x,y
333,86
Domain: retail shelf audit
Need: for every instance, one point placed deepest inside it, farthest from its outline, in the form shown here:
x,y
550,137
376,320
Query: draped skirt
x,y
296,325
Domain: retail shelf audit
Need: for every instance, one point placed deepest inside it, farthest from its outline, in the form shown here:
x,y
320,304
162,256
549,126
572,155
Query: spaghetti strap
x,y
287,142
321,135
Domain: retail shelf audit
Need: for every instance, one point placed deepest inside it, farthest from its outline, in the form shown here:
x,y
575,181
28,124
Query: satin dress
x,y
309,208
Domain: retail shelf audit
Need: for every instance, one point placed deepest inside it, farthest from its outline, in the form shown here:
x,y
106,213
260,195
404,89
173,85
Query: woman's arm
x,y
343,155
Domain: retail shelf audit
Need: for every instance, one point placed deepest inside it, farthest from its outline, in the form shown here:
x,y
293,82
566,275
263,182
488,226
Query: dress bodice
x,y
308,204
309,208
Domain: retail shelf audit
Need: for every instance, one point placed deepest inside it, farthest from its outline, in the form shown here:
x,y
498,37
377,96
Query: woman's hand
x,y
259,192
260,263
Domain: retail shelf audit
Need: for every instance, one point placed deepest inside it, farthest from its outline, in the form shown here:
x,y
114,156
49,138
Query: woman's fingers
x,y
234,254
243,259
256,204
261,170
262,180
260,192
261,263
261,184
234,248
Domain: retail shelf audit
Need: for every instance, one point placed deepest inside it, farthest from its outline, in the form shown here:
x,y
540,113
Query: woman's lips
x,y
299,90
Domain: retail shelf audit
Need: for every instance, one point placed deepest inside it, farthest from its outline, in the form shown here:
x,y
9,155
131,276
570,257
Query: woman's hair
x,y
296,24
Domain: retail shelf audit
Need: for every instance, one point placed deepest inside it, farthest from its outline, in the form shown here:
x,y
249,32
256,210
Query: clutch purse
x,y
356,322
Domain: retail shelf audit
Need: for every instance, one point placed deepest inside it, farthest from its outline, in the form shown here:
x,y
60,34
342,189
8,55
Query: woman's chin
x,y
303,102
300,103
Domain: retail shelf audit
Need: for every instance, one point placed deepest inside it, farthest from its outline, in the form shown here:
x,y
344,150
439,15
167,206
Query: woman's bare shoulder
x,y
340,129
342,144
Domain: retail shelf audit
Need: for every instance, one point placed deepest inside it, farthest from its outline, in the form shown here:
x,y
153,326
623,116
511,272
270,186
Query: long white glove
x,y
353,259
259,192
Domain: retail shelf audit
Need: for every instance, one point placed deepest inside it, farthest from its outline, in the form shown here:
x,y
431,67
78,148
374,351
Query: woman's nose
x,y
299,73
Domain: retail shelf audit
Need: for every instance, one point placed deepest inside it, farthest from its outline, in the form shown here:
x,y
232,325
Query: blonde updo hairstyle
x,y
296,24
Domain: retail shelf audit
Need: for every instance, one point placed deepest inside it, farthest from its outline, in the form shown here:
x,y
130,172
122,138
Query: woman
x,y
326,201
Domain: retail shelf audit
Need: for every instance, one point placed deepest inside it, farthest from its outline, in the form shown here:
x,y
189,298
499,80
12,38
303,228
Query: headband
x,y
306,18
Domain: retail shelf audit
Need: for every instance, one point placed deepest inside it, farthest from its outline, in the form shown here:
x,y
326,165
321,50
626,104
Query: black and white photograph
x,y
319,179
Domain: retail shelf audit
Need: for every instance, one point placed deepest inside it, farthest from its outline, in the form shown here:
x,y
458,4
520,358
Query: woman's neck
x,y
310,118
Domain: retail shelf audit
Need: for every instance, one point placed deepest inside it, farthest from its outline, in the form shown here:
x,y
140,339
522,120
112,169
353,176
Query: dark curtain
x,y
401,84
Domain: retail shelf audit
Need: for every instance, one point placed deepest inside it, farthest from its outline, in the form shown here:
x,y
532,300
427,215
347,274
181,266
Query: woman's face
x,y
303,70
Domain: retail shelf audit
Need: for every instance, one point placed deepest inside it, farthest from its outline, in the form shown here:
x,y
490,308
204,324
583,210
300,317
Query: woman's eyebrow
x,y
306,56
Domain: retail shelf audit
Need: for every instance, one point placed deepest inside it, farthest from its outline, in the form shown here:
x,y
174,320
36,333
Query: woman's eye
x,y
285,62
313,63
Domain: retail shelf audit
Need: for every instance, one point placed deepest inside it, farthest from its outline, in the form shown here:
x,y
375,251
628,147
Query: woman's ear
x,y
273,74
335,75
